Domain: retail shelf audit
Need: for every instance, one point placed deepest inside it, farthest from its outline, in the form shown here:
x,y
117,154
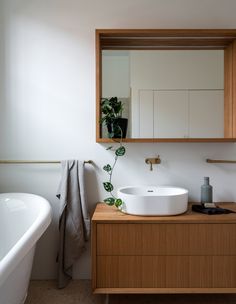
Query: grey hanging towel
x,y
74,222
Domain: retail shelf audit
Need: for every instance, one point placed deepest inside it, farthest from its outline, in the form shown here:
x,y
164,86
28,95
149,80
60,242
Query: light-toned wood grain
x,y
229,34
166,239
189,253
224,271
166,38
119,271
228,92
161,44
107,214
166,272
234,87
94,254
98,85
167,291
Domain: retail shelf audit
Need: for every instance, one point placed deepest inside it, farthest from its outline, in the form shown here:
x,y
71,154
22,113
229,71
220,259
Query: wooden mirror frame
x,y
180,39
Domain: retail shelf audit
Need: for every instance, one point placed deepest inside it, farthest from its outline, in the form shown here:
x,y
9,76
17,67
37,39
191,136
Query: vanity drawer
x,y
166,239
166,272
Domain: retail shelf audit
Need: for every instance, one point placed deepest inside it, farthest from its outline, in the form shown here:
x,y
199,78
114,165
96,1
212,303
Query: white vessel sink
x,y
153,200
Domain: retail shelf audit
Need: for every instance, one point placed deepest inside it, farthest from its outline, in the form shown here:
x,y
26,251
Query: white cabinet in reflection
x,y
185,90
177,69
146,118
181,113
206,113
170,114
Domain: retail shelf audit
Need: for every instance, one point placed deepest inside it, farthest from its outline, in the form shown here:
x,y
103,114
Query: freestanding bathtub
x,y
23,219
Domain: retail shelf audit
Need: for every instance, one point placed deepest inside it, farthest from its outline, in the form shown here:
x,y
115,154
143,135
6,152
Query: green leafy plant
x,y
111,109
108,186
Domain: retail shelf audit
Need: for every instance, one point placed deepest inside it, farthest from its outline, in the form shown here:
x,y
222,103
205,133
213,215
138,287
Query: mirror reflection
x,y
167,93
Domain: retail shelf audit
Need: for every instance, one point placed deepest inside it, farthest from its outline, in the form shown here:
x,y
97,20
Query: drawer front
x,y
166,239
166,272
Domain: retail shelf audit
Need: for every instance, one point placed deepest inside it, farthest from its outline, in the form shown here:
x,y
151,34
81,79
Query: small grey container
x,y
206,191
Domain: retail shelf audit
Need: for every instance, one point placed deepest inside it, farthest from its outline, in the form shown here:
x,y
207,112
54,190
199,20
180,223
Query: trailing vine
x,y
111,109
108,186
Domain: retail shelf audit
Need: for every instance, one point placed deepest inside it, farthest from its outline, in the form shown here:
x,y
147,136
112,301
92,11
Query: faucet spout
x,y
152,161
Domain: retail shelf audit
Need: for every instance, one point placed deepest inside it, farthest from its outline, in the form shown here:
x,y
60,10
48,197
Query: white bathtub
x,y
23,219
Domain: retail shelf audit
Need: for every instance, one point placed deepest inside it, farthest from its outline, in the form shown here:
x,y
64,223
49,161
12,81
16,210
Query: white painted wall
x,y
115,74
47,106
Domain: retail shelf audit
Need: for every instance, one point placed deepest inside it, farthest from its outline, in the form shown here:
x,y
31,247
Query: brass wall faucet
x,y
152,161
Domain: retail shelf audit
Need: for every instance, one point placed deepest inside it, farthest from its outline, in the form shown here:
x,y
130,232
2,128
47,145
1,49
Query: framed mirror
x,y
169,85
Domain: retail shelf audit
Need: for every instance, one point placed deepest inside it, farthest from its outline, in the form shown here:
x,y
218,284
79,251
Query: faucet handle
x,y
151,161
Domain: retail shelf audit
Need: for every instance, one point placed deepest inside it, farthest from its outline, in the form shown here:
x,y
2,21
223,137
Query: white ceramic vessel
x,y
153,200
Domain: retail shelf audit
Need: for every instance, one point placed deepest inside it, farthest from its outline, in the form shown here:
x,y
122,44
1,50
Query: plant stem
x,y
116,157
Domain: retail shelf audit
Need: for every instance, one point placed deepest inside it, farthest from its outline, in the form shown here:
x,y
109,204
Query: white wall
x,y
115,74
47,111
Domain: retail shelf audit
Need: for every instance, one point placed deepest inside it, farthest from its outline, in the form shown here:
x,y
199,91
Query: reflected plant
x,y
111,109
112,200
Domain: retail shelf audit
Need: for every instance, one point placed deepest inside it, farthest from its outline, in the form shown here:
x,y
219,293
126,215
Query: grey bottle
x,y
206,191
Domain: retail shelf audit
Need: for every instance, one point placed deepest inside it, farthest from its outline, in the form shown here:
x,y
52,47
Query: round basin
x,y
153,200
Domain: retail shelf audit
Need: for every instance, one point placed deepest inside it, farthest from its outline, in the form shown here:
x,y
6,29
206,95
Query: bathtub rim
x,y
29,238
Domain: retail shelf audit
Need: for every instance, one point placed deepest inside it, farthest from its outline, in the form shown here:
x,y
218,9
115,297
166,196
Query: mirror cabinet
x,y
173,85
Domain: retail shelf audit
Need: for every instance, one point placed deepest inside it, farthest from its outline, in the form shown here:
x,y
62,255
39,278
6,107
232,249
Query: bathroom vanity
x,y
188,253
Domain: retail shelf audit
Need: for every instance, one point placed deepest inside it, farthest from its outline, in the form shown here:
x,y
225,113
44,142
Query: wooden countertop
x,y
104,213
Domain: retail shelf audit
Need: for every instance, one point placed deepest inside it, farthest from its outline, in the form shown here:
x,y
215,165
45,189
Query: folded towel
x,y
74,222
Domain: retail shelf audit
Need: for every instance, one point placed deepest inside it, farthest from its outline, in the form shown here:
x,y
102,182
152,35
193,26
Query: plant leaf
x,y
108,186
118,202
120,151
107,168
110,135
109,201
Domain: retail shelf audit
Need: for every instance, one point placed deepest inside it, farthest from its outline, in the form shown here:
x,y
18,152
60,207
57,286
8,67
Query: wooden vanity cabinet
x,y
189,253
